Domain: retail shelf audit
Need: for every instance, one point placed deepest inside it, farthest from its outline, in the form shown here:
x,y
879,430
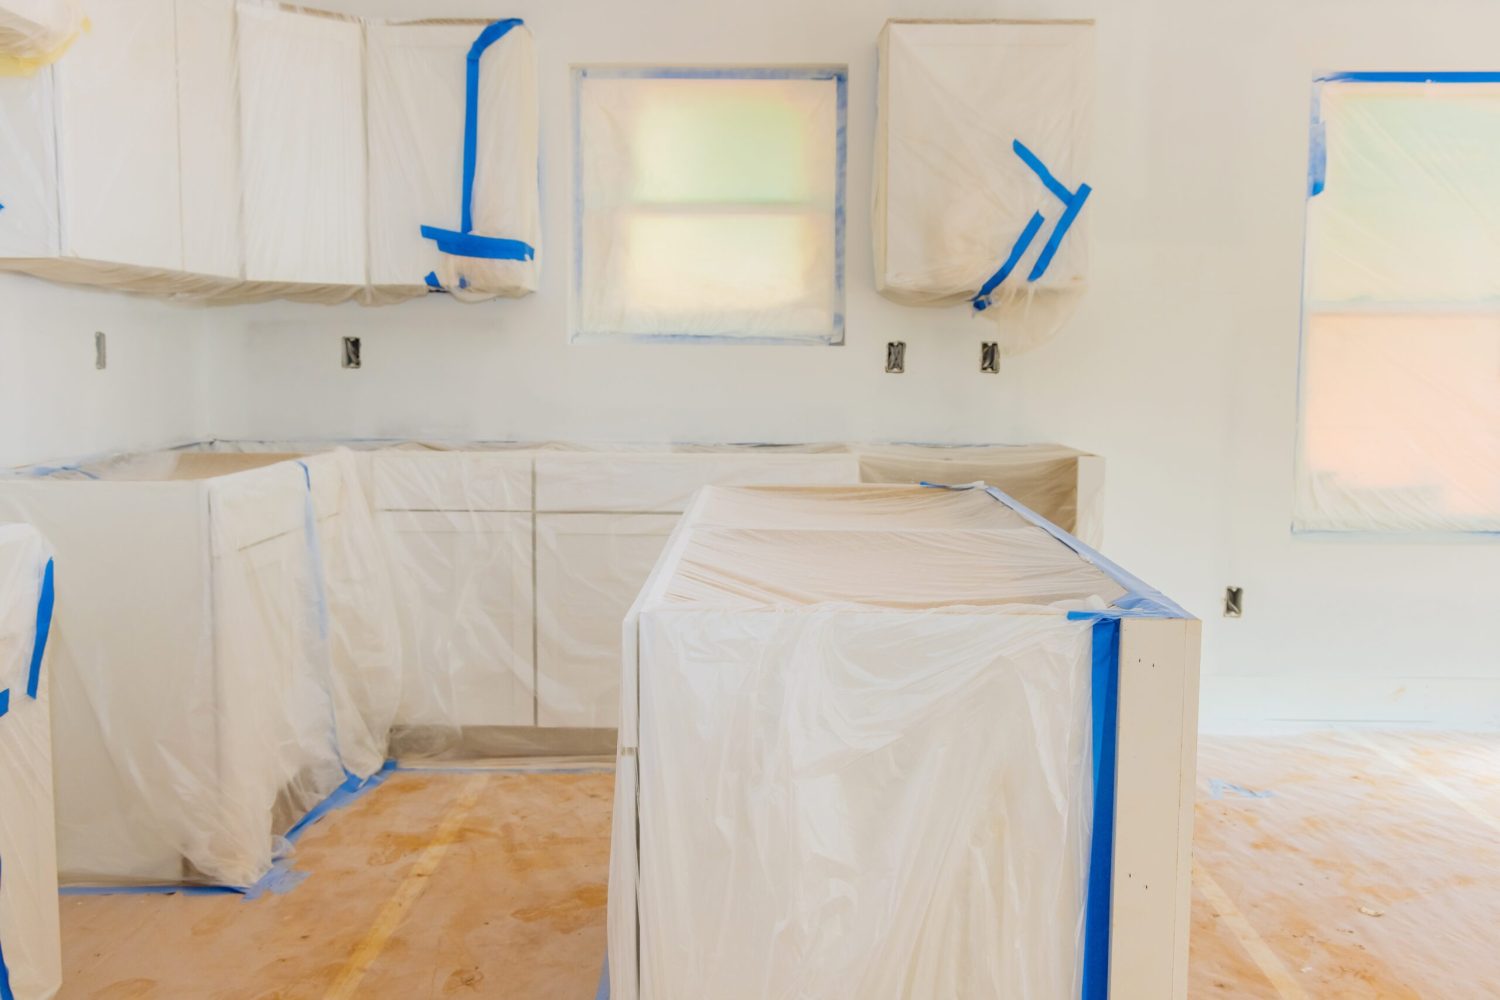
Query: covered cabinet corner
x,y
30,947
981,169
453,157
892,741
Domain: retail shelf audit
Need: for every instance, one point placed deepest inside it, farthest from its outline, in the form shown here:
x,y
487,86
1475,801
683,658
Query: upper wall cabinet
x,y
981,167
221,151
208,139
28,169
453,152
302,143
117,163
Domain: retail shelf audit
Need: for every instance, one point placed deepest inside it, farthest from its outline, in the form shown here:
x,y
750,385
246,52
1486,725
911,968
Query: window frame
x,y
838,75
1316,179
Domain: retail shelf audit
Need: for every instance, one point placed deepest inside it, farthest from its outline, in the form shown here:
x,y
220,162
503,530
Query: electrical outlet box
x,y
351,352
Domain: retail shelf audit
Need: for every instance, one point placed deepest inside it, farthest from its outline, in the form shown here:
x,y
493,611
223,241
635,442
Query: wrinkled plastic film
x,y
981,169
225,656
30,947
846,714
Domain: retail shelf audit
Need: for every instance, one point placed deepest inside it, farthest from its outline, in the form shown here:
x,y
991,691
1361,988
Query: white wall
x,y
1180,368
55,405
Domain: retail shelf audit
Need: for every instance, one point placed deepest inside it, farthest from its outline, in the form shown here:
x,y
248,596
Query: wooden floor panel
x,y
1349,866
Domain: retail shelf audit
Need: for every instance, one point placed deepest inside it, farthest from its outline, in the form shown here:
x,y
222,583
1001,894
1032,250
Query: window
x,y
1400,394
709,204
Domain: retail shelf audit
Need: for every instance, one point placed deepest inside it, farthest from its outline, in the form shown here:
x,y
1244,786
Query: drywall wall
x,y
1180,367
54,403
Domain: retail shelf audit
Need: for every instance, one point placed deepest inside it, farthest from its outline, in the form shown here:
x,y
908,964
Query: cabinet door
x,y
302,143
208,119
28,167
463,588
117,137
589,569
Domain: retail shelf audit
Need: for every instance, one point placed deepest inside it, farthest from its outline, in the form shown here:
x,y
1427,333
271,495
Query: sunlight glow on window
x,y
708,204
1400,395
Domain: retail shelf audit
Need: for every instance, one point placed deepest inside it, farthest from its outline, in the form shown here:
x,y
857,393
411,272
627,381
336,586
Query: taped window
x,y
1400,395
709,204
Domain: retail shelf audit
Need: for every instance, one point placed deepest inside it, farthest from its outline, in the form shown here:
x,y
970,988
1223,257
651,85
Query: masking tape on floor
x,y
1230,915
407,893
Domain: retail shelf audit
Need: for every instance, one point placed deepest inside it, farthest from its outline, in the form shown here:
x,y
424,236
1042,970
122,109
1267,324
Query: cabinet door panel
x,y
117,137
589,569
463,588
302,143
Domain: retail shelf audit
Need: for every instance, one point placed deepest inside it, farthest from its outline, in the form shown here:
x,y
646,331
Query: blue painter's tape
x,y
1141,600
1105,708
43,630
602,993
1403,76
6,993
1217,788
1072,205
346,794
982,300
1040,169
1070,214
433,282
468,244
4,702
489,36
151,890
1317,160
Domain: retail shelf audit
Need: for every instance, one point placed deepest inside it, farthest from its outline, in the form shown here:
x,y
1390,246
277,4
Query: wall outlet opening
x,y
101,353
989,357
1234,602
351,352
895,357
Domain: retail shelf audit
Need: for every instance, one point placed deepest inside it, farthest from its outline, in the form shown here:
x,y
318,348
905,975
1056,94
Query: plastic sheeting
x,y
34,33
823,688
981,169
30,945
225,655
257,150
453,144
1400,396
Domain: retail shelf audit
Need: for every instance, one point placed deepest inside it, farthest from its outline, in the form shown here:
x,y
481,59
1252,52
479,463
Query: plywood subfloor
x,y
478,884
1345,866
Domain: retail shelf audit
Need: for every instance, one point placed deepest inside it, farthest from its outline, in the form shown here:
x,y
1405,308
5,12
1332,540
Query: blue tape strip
x,y
432,281
1386,76
1073,202
1140,601
602,993
346,794
43,630
1072,205
489,36
1069,216
1040,169
1217,788
6,993
981,301
4,702
1105,707
465,243
468,244
151,890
